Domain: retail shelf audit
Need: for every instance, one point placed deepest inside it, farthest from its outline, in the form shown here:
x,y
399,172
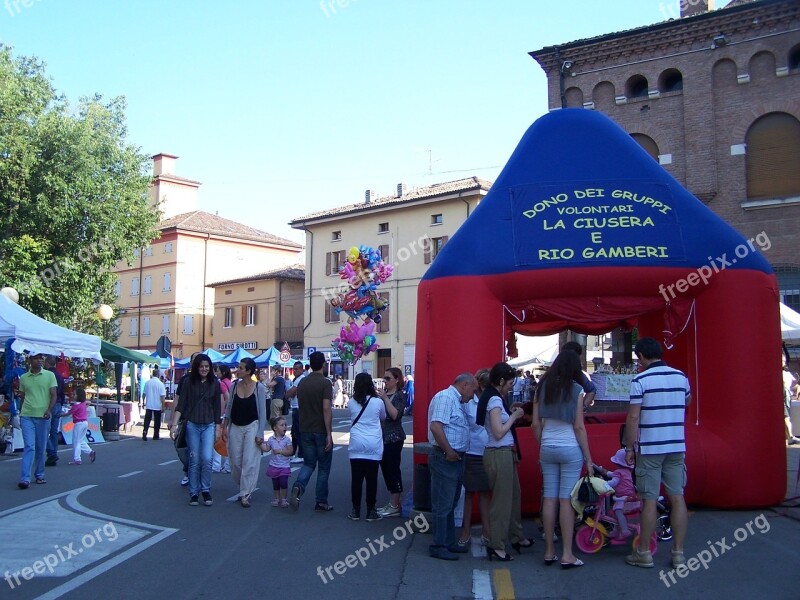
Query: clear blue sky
x,y
285,107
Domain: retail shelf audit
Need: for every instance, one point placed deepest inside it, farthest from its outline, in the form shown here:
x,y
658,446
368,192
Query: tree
x,y
73,193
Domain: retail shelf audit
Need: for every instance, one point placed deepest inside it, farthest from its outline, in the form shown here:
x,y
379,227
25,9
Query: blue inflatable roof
x,y
578,192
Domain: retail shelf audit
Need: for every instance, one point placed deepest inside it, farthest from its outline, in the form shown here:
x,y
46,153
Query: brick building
x,y
714,97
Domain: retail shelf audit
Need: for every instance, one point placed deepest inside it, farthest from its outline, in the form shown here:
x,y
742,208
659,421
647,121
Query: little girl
x,y
279,469
80,425
622,482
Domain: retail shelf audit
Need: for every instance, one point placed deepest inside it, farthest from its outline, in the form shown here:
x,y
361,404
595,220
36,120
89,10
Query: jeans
x,y
314,454
52,439
297,439
390,466
200,441
34,434
445,491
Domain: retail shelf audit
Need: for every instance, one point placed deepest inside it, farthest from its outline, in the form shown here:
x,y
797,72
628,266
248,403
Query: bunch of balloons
x,y
363,271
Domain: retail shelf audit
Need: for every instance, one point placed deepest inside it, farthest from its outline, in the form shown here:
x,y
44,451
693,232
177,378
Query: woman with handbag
x,y
365,449
558,426
393,439
499,460
243,429
200,403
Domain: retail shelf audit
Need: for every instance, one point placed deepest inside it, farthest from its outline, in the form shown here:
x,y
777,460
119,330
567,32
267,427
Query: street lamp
x,y
104,313
11,294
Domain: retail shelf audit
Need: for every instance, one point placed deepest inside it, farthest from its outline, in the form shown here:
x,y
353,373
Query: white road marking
x,y
131,474
169,462
92,537
477,548
235,498
481,585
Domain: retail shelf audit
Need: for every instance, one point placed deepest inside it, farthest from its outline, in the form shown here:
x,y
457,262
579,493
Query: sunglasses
x,y
387,378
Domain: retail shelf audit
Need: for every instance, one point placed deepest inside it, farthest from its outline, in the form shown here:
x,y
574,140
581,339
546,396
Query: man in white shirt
x,y
154,394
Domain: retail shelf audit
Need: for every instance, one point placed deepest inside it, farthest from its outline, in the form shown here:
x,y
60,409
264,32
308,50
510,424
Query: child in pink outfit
x,y
622,482
80,421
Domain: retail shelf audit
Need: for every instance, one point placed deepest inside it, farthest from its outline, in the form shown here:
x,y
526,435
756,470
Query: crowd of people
x,y
472,431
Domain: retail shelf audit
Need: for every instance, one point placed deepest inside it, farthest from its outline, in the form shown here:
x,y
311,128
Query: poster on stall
x,y
94,435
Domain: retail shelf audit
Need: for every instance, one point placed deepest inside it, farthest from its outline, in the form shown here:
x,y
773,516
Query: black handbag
x,y
586,492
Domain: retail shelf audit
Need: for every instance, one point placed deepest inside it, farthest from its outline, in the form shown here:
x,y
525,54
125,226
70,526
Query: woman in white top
x,y
558,425
367,409
505,509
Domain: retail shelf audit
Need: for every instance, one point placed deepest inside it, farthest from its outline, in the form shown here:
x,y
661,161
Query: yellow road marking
x,y
504,589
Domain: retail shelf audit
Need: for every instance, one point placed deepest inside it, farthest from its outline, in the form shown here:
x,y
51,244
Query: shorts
x,y
475,477
654,469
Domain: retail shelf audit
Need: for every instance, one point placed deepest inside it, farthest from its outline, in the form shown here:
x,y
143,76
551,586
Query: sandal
x,y
245,501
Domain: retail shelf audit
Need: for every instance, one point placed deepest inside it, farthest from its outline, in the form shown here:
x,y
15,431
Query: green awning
x,y
118,354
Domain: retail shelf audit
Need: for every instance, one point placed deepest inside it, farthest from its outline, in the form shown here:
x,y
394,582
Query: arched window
x,y
773,157
789,285
648,143
636,87
574,97
670,80
794,57
603,94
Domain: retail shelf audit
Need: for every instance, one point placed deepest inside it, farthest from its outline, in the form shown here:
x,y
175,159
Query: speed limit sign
x,y
285,356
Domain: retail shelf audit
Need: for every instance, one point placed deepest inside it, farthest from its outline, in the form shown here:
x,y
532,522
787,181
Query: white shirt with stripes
x,y
663,393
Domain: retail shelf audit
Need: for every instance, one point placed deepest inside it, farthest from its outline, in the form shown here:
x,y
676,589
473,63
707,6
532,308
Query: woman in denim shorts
x,y
558,425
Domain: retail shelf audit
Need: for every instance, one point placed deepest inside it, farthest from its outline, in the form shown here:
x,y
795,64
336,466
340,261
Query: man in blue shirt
x,y
55,419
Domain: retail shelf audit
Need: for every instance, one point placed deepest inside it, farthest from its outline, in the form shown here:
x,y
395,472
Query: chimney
x,y
369,196
401,190
689,8
164,164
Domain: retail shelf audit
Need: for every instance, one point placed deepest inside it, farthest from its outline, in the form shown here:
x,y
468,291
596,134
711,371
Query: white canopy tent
x,y
790,324
36,335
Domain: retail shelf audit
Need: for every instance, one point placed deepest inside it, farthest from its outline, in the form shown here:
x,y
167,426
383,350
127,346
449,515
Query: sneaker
x,y
194,500
294,501
92,456
207,499
640,559
389,510
296,460
322,507
354,515
185,481
41,480
793,441
51,461
373,516
678,558
276,502
23,485
284,503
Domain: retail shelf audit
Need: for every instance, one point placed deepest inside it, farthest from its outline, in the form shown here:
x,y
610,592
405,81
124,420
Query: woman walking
x,y
221,464
365,449
200,404
243,429
394,437
505,508
558,425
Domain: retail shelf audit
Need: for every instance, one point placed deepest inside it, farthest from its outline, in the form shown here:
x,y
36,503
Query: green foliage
x,y
73,196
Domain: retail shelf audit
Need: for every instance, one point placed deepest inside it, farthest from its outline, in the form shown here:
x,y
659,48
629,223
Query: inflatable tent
x,y
584,230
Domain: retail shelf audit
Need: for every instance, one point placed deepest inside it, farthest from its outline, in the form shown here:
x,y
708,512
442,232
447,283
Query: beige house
x,y
260,311
409,228
165,291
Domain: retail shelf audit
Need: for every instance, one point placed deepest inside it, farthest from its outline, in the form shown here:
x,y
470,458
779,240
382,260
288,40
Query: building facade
x,y
409,228
260,311
714,97
165,291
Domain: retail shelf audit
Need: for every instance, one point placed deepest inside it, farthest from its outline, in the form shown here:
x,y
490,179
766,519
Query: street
x,y
122,527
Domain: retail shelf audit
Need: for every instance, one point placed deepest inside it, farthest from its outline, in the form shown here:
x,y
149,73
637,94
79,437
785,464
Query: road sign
x,y
310,350
285,347
163,346
285,356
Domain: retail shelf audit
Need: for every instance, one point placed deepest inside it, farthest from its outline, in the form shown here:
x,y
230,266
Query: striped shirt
x,y
663,393
447,409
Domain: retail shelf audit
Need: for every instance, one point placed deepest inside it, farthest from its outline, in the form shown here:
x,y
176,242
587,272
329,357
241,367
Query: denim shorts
x,y
561,469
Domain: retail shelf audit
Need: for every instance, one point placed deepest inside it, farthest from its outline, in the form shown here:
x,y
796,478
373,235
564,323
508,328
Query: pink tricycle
x,y
599,526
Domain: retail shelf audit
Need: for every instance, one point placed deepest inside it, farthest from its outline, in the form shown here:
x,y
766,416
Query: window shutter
x,y
444,240
426,247
384,250
328,261
773,156
383,326
254,314
244,315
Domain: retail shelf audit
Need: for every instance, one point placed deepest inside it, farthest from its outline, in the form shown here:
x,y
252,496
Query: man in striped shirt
x,y
659,398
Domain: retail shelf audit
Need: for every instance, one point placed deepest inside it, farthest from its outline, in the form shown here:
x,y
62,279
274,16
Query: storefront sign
x,y
230,346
